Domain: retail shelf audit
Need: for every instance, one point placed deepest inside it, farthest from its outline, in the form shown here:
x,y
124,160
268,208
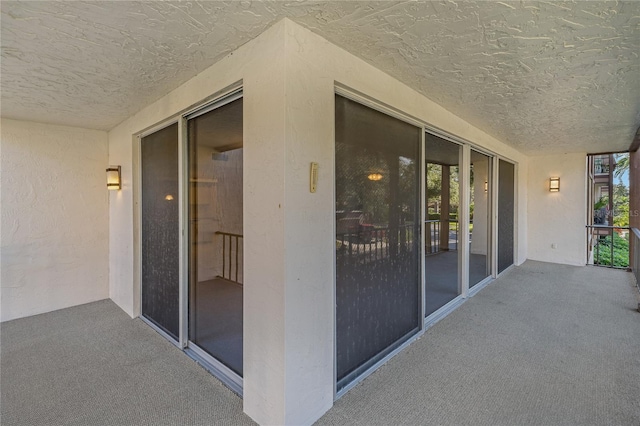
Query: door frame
x,y
463,218
362,99
230,378
216,100
137,218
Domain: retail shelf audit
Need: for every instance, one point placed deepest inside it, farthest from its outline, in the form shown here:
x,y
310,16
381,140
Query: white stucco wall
x,y
288,77
313,67
557,217
260,64
54,219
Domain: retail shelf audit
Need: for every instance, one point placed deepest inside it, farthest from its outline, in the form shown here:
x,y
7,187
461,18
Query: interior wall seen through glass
x,y
160,229
377,191
479,218
442,227
216,233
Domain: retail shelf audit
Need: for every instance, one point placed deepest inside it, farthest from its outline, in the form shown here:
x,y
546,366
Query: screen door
x,y
160,229
377,163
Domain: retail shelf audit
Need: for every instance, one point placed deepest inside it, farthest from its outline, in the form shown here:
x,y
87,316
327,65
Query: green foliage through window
x,y
602,251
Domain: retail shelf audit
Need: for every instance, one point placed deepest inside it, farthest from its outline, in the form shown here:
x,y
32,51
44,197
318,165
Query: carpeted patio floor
x,y
544,344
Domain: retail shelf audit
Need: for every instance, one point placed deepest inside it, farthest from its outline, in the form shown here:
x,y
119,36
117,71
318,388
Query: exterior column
x,y
264,355
289,242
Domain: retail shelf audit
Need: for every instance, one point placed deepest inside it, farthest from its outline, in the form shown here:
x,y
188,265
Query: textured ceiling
x,y
542,76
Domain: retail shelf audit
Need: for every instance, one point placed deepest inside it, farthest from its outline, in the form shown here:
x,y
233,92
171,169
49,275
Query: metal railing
x,y
230,257
608,246
369,243
434,237
634,238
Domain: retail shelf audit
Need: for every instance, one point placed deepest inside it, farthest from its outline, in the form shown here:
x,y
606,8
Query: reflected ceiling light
x,y
375,177
168,197
554,184
113,178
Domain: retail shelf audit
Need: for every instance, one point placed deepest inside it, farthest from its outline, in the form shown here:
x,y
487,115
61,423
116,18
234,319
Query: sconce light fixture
x,y
486,186
554,184
375,177
113,178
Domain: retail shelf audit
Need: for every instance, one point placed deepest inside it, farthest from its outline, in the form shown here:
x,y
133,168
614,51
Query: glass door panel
x,y
506,198
377,236
479,218
160,229
442,236
215,227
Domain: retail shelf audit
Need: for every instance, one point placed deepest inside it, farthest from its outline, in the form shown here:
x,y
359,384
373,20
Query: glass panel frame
x,y
218,340
221,98
506,215
481,244
443,221
160,229
376,237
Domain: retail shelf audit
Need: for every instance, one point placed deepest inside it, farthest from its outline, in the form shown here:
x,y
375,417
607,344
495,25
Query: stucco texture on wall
x,y
289,76
54,218
557,219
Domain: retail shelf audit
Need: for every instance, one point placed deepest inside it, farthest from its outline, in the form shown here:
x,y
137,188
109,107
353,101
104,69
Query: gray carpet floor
x,y
543,345
93,365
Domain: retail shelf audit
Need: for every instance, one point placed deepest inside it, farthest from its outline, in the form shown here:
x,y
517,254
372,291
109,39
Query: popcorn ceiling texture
x,y
544,77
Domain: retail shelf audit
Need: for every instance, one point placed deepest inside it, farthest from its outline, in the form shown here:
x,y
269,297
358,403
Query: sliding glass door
x,y
378,303
479,218
160,230
506,199
215,228
442,230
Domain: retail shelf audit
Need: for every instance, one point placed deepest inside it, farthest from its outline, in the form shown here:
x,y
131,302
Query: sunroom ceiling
x,y
544,77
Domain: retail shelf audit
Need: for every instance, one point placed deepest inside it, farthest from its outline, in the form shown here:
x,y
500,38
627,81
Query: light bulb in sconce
x,y
554,184
113,178
168,197
375,177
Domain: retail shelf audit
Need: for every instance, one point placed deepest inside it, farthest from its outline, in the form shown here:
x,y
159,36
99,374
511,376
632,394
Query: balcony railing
x,y
434,236
635,262
231,256
369,243
608,246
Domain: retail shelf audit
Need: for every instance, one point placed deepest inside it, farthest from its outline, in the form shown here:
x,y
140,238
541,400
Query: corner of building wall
x,y
309,124
120,223
264,208
556,220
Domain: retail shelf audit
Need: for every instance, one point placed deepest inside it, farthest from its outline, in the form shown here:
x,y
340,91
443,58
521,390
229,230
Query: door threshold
x,y
223,373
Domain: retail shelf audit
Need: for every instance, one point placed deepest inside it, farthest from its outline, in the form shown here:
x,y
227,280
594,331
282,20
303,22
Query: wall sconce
x,y
113,178
375,177
486,186
554,184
